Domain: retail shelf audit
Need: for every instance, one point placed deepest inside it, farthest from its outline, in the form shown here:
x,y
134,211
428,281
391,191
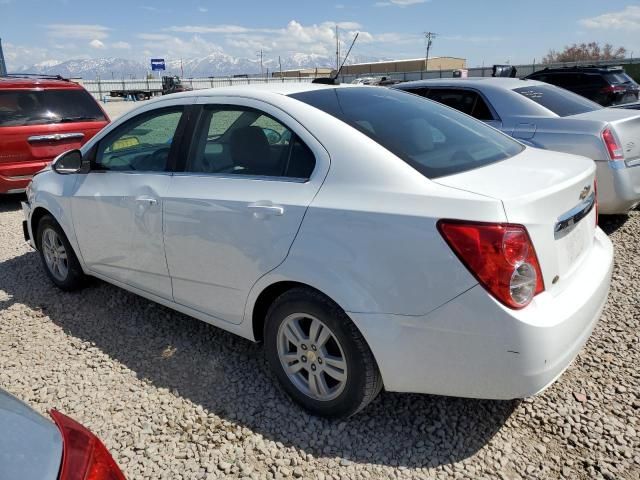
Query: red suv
x,y
41,117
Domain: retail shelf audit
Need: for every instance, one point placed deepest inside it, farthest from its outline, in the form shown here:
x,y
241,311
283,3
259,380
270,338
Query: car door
x,y
233,213
117,206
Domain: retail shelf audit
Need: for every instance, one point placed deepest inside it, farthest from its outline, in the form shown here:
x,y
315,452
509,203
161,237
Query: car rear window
x,y
618,77
433,139
30,107
561,102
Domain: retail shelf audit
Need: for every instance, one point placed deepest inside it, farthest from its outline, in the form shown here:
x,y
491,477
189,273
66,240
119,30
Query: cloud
x,y
203,9
121,45
399,3
626,19
208,29
79,31
175,47
97,44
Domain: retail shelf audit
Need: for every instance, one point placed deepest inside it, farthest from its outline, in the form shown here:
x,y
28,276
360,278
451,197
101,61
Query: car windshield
x,y
561,102
433,139
29,107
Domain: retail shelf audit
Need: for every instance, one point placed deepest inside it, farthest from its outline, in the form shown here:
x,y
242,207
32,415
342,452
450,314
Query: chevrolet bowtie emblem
x,y
585,191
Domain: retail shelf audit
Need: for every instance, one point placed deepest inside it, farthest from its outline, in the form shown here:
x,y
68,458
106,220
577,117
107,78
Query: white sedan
x,y
369,238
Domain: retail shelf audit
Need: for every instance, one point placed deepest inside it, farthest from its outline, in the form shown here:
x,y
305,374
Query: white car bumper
x,y
26,224
474,347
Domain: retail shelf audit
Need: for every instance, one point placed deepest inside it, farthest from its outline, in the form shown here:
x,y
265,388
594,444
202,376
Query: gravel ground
x,y
116,108
175,398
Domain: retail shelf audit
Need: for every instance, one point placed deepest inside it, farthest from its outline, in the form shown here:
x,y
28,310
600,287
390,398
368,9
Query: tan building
x,y
411,65
307,72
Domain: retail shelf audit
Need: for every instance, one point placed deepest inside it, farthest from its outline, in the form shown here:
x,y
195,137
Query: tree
x,y
585,52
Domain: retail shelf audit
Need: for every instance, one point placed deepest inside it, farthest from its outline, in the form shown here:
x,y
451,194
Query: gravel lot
x,y
176,398
116,108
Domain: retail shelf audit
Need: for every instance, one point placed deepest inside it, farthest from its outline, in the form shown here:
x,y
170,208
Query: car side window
x,y
423,92
245,141
466,101
141,144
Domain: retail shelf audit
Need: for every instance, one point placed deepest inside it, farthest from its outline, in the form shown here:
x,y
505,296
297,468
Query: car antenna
x,y
333,80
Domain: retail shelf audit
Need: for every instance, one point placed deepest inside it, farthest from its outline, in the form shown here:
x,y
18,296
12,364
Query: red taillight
x,y
500,256
613,147
84,457
613,89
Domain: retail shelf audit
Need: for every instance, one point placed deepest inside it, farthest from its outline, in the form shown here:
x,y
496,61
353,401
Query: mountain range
x,y
216,64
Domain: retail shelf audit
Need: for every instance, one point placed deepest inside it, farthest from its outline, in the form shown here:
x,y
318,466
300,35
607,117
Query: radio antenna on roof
x,y
332,80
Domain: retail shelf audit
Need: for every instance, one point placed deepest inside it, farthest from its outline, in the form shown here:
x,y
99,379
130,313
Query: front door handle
x,y
263,208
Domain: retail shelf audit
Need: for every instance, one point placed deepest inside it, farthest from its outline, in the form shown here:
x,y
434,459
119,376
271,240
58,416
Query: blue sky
x,y
489,31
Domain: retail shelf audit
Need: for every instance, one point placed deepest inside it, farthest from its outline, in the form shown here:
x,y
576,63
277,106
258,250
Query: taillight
x,y
613,147
613,89
500,256
84,457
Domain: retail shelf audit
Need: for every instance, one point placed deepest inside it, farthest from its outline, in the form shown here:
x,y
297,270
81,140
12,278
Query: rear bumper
x,y
618,188
475,347
14,177
26,224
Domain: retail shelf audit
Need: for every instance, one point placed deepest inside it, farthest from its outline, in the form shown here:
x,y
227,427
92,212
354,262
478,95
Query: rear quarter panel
x,y
369,239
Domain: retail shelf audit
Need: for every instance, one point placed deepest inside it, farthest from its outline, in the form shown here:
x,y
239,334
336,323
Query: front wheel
x,y
319,356
58,258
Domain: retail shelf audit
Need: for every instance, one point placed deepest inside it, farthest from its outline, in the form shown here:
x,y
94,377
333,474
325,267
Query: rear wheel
x,y
319,356
140,96
58,258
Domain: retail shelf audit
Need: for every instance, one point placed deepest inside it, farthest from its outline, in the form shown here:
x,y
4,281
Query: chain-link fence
x,y
101,88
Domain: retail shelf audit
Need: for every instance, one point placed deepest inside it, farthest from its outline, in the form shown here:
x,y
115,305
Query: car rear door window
x,y
31,107
432,139
561,102
141,144
466,101
244,141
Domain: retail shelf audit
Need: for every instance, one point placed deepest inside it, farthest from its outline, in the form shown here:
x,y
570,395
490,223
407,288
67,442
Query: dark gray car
x,y
32,447
549,117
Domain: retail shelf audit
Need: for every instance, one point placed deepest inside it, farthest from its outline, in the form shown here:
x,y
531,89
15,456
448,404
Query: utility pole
x,y
280,64
337,49
3,65
428,37
260,54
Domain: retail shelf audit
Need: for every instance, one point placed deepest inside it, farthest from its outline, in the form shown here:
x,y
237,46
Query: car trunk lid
x,y
626,126
44,142
551,194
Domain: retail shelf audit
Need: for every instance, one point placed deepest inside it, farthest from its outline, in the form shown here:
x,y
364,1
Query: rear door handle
x,y
147,200
266,209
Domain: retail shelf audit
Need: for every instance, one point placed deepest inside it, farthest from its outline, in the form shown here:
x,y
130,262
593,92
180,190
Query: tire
x,y
345,377
60,263
140,96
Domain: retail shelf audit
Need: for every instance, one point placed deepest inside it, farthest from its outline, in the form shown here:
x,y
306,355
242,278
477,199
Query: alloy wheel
x,y
312,357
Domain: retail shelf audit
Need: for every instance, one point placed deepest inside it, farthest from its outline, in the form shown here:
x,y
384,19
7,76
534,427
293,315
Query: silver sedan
x,y
549,117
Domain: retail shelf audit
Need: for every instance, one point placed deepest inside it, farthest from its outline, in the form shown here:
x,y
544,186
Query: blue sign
x,y
157,64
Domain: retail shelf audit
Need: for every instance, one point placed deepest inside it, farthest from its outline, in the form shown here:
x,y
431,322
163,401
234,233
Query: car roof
x,y
26,83
476,82
256,91
582,68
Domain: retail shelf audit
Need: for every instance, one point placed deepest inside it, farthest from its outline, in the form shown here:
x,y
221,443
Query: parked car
x,y
604,85
34,448
366,236
41,117
552,118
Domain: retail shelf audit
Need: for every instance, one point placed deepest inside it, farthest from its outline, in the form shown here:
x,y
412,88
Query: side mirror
x,y
68,162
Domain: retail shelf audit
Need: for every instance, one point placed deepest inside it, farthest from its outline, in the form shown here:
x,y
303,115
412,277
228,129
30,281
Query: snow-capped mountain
x,y
217,64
